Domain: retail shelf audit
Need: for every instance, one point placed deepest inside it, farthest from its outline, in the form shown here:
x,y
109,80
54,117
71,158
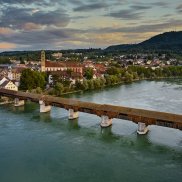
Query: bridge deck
x,y
136,115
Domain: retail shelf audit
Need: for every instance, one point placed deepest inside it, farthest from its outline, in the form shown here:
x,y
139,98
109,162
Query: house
x,y
3,72
15,73
65,75
7,84
57,55
88,64
100,68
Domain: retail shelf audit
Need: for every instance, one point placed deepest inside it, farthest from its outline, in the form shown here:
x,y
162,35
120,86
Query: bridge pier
x,y
72,114
105,121
18,102
43,107
142,128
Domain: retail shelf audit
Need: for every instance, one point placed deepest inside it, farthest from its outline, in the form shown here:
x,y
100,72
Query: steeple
x,y
43,61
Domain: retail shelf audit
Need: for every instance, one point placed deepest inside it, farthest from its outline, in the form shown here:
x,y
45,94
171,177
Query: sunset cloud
x,y
6,45
5,31
54,24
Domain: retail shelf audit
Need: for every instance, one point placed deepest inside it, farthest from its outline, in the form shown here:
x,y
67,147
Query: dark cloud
x,y
76,2
160,3
126,14
179,8
41,36
140,7
141,28
16,18
37,24
90,7
18,1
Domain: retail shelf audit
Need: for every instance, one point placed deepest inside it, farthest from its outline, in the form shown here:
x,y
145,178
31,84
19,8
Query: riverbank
x,y
6,102
117,84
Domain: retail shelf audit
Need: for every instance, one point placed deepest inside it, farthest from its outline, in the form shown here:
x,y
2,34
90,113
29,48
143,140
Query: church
x,y
54,66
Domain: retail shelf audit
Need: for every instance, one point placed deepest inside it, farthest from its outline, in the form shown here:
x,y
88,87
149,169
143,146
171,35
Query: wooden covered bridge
x,y
107,112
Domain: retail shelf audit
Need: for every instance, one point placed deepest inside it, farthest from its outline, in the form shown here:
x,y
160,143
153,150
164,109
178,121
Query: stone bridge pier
x,y
43,107
72,114
105,121
18,102
142,128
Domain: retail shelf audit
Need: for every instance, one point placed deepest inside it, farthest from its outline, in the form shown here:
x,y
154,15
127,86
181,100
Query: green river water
x,y
48,147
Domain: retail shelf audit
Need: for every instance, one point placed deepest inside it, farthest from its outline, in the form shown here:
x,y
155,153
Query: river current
x,y
48,147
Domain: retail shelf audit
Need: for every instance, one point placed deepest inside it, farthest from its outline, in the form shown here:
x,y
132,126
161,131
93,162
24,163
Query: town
x,y
65,73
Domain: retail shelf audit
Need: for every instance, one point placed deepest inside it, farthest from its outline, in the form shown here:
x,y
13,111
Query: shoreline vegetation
x,y
113,76
34,81
117,84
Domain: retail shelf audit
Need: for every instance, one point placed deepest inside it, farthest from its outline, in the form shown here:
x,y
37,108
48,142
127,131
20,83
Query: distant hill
x,y
169,41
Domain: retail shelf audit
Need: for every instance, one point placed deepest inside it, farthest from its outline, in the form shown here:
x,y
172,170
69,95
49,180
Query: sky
x,y
72,24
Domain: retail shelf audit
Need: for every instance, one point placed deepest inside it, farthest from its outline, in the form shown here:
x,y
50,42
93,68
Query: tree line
x,y
36,81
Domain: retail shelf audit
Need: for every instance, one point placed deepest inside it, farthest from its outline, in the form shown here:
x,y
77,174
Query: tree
x,y
97,83
31,80
4,60
128,77
58,89
88,73
78,85
90,84
102,82
85,85
108,80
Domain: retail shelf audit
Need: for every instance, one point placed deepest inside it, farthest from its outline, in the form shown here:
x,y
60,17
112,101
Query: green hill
x,y
168,41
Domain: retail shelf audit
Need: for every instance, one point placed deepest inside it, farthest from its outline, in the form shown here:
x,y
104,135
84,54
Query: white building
x,y
7,84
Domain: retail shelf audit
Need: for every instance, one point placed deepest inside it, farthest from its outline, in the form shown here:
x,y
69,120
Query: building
x,y
3,72
15,73
51,66
3,79
7,84
57,55
43,61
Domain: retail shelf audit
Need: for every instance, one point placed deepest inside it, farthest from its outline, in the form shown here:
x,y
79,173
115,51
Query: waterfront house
x,y
7,84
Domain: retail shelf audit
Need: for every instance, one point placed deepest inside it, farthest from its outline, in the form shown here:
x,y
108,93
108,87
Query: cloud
x,y
140,7
46,36
160,3
17,1
179,8
91,7
6,45
160,27
18,18
126,14
50,24
30,2
5,31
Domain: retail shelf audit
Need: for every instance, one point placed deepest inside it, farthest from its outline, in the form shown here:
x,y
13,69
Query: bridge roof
x,y
105,108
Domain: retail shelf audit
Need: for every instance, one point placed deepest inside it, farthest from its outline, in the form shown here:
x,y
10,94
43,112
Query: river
x,y
47,147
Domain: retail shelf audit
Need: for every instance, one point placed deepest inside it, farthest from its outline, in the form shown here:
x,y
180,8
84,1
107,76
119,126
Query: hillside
x,y
169,41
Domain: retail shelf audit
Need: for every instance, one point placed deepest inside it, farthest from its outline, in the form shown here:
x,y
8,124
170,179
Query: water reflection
x,y
73,124
107,135
143,140
19,109
45,117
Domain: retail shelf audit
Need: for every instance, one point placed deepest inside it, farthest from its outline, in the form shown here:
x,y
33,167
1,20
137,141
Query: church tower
x,y
43,61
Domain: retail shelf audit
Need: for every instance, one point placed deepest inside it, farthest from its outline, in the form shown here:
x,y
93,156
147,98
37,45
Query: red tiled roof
x,y
53,64
61,64
18,70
